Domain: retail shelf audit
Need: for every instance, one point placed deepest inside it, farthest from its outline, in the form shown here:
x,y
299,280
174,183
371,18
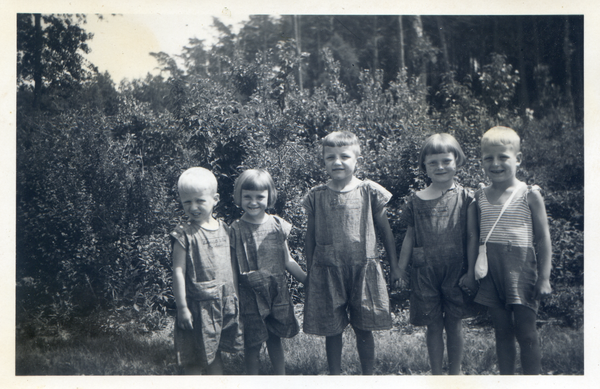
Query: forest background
x,y
97,163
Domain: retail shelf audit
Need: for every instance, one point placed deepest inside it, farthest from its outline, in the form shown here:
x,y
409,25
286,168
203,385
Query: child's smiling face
x,y
440,167
500,162
340,162
198,205
254,203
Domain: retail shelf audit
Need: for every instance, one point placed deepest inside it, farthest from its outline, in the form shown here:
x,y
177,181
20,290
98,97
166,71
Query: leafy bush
x,y
96,193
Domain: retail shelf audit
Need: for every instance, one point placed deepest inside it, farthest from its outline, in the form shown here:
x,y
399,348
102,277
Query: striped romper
x,y
512,264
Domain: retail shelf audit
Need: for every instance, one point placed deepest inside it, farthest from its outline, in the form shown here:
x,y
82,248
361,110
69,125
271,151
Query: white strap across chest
x,y
506,204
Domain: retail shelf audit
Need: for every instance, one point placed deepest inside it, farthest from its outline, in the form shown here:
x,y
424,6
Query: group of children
x,y
230,286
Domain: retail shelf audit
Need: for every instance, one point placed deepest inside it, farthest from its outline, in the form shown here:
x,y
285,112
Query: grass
x,y
400,351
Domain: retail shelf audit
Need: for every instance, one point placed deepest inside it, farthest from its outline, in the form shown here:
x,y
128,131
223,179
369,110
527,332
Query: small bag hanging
x,y
481,265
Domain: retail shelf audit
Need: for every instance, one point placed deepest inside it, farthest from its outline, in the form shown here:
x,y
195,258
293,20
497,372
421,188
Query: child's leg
x,y
275,349
505,339
333,346
527,336
251,355
454,344
435,346
365,344
216,368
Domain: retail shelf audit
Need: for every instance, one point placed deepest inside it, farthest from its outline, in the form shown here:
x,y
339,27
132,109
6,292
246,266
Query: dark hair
x,y
441,143
254,179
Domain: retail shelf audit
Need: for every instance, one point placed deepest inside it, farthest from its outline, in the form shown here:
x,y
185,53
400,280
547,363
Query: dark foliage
x,y
96,185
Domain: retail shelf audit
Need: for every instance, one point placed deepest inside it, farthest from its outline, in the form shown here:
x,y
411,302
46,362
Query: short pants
x,y
266,306
339,295
435,293
511,278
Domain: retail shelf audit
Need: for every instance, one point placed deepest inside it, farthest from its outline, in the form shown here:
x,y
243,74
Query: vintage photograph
x,y
390,194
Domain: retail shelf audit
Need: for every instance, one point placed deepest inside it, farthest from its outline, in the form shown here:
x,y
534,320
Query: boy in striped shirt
x,y
517,279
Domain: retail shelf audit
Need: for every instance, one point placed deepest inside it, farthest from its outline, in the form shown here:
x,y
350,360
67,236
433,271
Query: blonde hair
x,y
500,135
196,179
441,143
342,139
255,179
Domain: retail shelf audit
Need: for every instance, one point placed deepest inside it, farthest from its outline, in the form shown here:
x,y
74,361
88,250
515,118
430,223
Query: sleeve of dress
x,y
286,227
309,202
232,233
379,196
178,234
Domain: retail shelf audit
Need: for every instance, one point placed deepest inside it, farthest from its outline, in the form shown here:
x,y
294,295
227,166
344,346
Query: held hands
x,y
468,283
184,318
399,279
542,289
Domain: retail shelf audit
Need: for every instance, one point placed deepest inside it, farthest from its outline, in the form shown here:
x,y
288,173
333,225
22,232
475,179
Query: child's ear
x,y
519,158
359,159
217,198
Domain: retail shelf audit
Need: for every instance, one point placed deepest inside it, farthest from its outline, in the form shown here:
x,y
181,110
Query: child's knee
x,y
362,334
527,336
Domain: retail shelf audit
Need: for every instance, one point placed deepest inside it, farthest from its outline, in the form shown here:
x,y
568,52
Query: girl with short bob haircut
x,y
255,179
441,143
260,251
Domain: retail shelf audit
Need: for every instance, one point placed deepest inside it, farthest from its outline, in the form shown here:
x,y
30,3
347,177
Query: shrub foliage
x,y
96,191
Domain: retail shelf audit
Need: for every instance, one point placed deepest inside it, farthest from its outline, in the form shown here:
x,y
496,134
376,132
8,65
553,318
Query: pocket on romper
x,y
418,257
205,290
324,255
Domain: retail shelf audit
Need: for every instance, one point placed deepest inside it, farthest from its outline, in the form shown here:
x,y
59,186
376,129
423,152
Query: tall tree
x,y
298,48
401,41
195,58
50,52
568,52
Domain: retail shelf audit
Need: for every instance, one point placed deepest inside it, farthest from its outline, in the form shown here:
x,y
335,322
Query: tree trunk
x,y
567,51
401,37
37,60
298,48
375,49
524,96
421,62
442,33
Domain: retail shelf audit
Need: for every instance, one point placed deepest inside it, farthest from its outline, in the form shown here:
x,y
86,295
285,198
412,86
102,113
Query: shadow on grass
x,y
400,351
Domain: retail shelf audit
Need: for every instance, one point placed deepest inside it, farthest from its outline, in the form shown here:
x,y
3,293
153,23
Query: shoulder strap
x,y
242,259
506,204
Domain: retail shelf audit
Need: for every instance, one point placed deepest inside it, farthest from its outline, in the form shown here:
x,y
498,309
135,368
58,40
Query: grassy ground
x,y
400,351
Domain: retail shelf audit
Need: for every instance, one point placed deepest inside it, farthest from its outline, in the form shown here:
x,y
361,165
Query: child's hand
x,y
398,279
468,283
184,319
542,289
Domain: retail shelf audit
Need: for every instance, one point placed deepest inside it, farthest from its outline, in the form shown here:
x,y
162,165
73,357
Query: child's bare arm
x,y
184,316
541,233
235,269
309,242
405,254
468,280
292,266
381,220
